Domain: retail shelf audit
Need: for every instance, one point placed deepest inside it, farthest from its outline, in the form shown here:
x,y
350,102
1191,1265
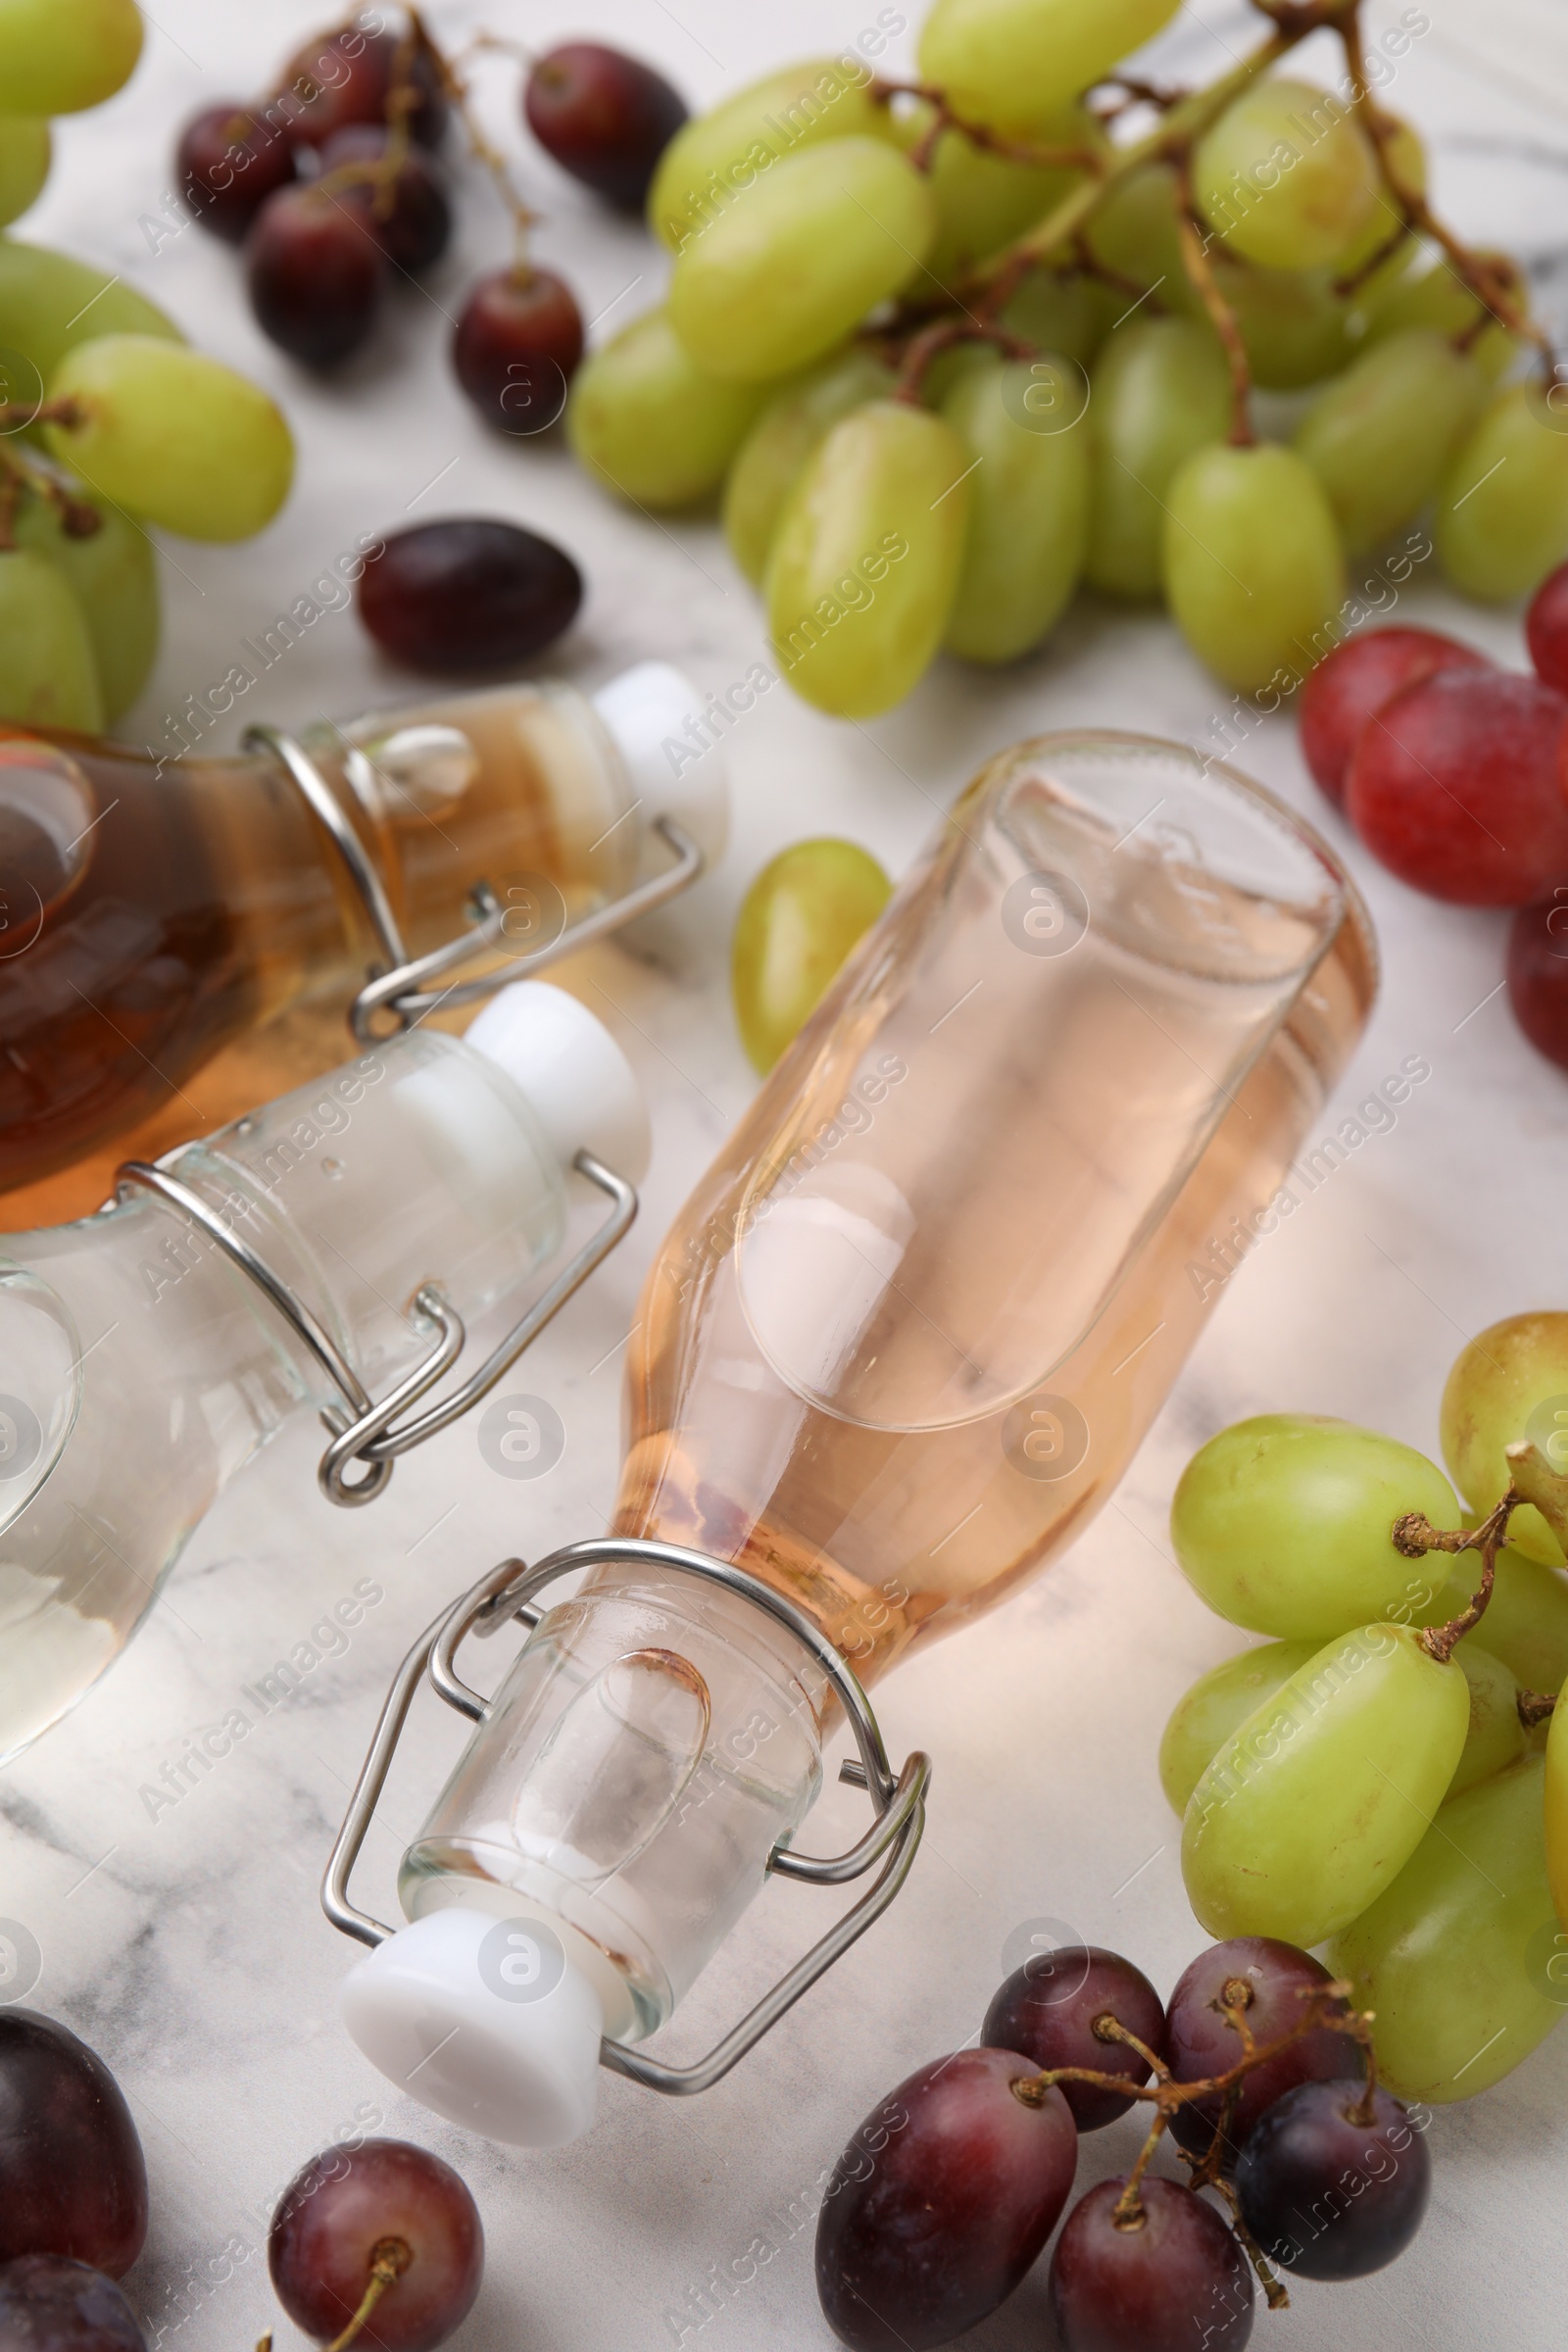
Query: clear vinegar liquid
x,y
1068,1149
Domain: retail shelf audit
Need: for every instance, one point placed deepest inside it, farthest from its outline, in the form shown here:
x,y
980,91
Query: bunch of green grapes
x,y
1357,1779
947,359
108,423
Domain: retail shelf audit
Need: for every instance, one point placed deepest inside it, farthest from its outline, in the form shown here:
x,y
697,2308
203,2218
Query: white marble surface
x,y
190,1948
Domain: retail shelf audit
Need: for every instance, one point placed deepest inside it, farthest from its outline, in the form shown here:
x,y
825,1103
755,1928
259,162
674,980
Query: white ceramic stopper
x,y
578,1081
653,714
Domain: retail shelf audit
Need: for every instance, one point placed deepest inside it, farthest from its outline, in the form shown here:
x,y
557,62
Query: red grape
x,y
227,164
603,116
1546,631
316,273
49,2303
348,76
72,2176
1202,2043
1356,679
346,2204
516,347
1047,2009
467,595
418,228
1179,2281
1537,974
941,2202
1327,2196
1453,785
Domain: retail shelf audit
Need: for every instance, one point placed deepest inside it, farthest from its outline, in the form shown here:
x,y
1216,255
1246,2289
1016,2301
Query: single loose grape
x,y
1254,568
517,346
316,272
1461,1960
50,303
1334,2182
173,436
1216,1707
1508,1384
335,2217
1282,1523
867,557
113,574
646,420
73,2180
1353,682
717,158
58,56
1022,421
1161,390
800,258
48,677
1268,1983
1496,1737
1287,176
23,163
1438,299
468,594
49,2303
1046,2012
1314,1806
1014,64
1380,437
791,426
605,116
940,2203
1176,2281
1501,522
798,923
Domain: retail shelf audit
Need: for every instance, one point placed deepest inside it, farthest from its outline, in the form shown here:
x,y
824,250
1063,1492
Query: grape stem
x,y
390,2257
1268,2279
1196,262
483,150
24,476
922,153
941,335
1414,1536
1536,1706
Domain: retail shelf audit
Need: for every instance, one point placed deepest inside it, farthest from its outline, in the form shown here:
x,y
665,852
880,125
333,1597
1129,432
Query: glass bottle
x,y
896,1351
179,938
141,1369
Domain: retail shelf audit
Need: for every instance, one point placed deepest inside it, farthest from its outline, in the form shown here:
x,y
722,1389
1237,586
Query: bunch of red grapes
x,y
333,186
947,2192
378,2236
1454,773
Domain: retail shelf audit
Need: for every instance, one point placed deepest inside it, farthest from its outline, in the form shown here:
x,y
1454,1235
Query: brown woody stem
x,y
1128,2211
1414,1536
1536,1706
1196,262
1274,2288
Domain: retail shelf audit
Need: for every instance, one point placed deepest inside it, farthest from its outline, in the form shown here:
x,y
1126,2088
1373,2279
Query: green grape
x,y
1555,1817
1525,1620
1161,390
798,923
49,303
1510,1383
173,436
1282,1523
1311,1809
1496,1737
1022,424
1252,561
646,420
779,443
1379,438
1287,176
985,200
713,159
867,557
23,163
58,56
47,677
787,272
1296,328
1440,300
114,577
1012,64
1216,1707
1501,523
1069,315
1459,1959
1133,232
1408,156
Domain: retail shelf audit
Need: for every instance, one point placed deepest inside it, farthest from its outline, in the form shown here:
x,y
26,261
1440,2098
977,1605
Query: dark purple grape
x,y
346,74
467,595
1537,974
1202,2043
417,228
941,2202
1047,2010
517,346
316,273
341,2209
72,2176
1178,2282
49,2303
1329,2196
227,164
603,116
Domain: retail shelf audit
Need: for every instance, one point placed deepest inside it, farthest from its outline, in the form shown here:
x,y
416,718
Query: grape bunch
x,y
108,421
1372,1777
333,185
949,349
947,2192
1454,773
